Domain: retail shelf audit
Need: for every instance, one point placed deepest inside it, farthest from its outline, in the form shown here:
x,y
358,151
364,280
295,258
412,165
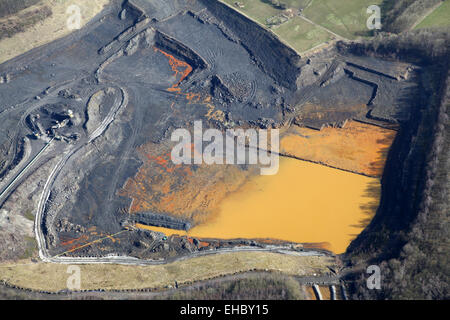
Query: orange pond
x,y
304,202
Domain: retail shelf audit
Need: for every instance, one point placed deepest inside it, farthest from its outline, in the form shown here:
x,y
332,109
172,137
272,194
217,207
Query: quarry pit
x,y
104,125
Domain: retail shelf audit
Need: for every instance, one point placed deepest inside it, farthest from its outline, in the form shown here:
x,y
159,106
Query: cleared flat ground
x,y
50,29
438,18
53,277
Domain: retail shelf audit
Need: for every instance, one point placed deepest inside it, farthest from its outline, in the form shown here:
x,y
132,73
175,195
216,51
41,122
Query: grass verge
x,y
53,277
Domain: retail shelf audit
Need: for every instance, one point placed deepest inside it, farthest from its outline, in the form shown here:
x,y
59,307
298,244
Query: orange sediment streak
x,y
72,241
180,190
182,70
86,244
166,231
357,147
177,67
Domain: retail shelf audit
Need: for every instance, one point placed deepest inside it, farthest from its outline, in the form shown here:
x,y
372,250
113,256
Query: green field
x,y
255,9
346,18
297,3
298,33
302,35
438,18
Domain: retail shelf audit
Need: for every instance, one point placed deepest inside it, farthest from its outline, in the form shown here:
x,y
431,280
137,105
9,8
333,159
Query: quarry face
x,y
94,112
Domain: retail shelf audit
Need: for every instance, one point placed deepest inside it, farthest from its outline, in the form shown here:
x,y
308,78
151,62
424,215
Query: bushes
x,y
408,237
8,7
421,269
21,22
424,46
400,15
254,287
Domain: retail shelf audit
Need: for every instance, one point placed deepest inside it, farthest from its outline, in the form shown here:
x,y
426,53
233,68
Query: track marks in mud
x,y
72,244
89,240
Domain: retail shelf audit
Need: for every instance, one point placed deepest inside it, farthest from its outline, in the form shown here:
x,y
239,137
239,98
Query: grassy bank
x,y
252,287
401,15
53,277
438,18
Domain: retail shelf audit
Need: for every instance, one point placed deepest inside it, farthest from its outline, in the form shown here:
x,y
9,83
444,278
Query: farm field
x,y
438,18
255,9
297,32
346,18
302,35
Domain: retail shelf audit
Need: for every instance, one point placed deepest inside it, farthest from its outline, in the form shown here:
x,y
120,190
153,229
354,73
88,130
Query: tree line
x,y
8,7
400,15
408,238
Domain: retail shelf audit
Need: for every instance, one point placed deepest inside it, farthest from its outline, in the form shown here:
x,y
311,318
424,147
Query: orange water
x,y
166,231
303,202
